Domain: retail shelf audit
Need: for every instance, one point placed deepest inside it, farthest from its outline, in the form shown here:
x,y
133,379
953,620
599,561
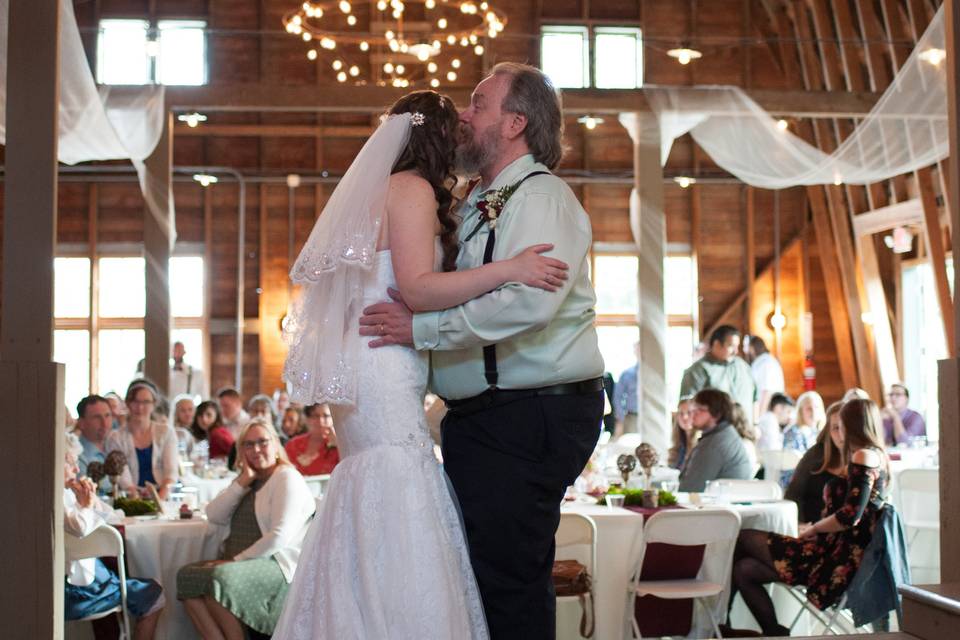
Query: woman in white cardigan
x,y
149,446
267,509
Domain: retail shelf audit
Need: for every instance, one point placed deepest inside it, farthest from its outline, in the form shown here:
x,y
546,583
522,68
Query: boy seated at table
x,y
90,586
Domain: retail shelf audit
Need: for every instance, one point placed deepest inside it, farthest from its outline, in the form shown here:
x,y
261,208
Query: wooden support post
x,y
157,244
31,478
649,229
933,234
950,367
751,254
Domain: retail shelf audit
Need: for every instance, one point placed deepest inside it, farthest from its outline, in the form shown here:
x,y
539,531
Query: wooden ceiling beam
x,y
274,130
372,99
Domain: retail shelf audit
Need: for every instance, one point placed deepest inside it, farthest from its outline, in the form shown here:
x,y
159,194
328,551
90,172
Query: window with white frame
x,y
565,56
103,353
174,52
615,282
618,58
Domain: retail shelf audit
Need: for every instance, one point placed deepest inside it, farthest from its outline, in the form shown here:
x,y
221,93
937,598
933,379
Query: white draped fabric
x,y
906,129
99,124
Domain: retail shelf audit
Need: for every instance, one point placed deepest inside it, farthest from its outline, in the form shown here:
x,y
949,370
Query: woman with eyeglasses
x,y
149,445
267,510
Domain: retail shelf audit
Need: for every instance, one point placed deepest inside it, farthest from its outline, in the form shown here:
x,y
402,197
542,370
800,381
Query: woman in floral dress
x,y
827,554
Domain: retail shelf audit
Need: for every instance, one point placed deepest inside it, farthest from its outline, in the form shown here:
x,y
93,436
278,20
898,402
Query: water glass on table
x,y
615,500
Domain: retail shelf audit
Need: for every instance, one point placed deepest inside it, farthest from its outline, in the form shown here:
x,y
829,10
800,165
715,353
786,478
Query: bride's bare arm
x,y
411,229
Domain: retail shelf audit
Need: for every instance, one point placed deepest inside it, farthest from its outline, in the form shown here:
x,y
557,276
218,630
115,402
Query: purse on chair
x,y
570,578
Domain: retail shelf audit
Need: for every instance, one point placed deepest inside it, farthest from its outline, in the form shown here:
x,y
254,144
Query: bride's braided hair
x,y
430,152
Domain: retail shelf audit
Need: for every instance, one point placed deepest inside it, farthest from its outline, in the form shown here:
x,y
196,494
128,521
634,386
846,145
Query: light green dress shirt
x,y
731,376
543,338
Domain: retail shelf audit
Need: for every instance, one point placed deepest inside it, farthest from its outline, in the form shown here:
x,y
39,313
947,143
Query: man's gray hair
x,y
532,94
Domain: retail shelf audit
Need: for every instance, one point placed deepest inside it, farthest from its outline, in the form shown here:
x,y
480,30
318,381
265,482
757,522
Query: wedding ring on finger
x,y
381,328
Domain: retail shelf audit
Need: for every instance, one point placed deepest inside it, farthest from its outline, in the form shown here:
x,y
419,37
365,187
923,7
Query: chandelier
x,y
405,47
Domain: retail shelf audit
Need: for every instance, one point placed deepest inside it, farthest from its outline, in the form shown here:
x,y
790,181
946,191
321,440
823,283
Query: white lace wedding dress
x,y
385,558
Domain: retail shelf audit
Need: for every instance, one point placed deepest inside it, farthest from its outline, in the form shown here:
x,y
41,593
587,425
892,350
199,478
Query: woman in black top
x,y
819,464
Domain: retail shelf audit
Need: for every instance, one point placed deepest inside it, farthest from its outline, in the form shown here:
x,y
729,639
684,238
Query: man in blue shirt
x,y
625,400
93,425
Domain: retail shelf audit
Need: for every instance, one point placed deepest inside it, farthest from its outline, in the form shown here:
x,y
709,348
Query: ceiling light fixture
x,y
406,44
205,179
192,119
934,56
590,122
684,54
685,181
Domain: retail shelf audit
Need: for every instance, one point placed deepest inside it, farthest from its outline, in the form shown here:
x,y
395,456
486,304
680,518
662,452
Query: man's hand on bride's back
x,y
530,268
390,322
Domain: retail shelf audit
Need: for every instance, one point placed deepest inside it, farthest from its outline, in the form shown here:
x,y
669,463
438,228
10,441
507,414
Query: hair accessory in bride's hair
x,y
417,119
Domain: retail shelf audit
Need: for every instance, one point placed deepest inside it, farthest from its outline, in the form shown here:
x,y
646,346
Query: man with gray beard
x,y
519,368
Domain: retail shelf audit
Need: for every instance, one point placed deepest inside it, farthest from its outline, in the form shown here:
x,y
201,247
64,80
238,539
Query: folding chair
x,y
716,528
104,541
576,539
318,484
918,500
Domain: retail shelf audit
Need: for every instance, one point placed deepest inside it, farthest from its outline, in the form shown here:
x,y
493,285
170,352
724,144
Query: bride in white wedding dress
x,y
386,557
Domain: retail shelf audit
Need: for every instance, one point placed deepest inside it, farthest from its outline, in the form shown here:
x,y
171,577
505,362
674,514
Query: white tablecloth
x,y
619,533
157,549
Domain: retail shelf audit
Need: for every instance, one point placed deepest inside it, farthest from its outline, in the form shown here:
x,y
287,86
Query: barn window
x,y
565,56
172,52
618,58
104,353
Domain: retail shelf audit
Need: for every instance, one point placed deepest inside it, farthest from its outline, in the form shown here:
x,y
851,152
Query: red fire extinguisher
x,y
809,373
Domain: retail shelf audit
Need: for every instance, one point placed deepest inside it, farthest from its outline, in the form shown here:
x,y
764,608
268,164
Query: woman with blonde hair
x,y
267,510
810,420
684,435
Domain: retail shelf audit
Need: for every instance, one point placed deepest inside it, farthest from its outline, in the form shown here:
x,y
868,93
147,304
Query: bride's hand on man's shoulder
x,y
531,268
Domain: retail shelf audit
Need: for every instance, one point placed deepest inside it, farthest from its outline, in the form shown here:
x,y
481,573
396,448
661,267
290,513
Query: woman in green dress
x,y
267,510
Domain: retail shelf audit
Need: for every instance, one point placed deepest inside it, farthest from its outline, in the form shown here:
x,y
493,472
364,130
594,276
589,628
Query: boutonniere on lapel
x,y
490,206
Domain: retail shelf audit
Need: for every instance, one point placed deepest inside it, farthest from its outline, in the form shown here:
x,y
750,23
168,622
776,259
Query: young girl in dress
x,y
827,554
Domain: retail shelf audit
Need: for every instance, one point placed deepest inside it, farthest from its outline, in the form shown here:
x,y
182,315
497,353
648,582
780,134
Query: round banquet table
x,y
619,543
207,488
157,549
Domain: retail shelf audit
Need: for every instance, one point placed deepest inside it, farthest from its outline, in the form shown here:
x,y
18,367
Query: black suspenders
x,y
490,351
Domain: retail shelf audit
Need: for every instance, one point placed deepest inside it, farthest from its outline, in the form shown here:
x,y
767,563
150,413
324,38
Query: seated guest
x,y
267,509
149,446
315,452
261,406
822,462
292,424
684,435
810,419
827,554
118,408
183,413
748,437
94,423
231,410
901,423
720,452
207,425
855,392
773,421
90,586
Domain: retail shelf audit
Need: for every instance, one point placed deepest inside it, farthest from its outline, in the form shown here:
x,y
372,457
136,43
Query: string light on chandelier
x,y
407,45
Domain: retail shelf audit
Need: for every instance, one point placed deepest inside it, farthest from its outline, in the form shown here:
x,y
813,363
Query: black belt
x,y
494,397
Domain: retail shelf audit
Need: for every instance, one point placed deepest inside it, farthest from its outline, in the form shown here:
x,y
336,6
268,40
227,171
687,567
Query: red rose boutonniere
x,y
490,205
